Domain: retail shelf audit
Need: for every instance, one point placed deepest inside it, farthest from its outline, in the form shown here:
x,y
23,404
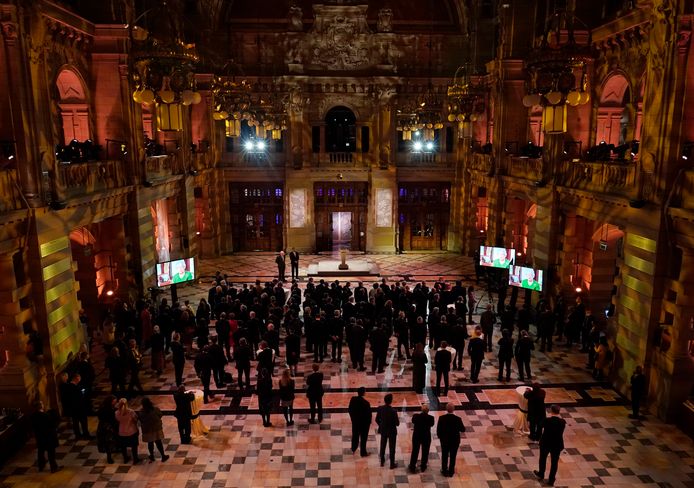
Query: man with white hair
x,y
421,438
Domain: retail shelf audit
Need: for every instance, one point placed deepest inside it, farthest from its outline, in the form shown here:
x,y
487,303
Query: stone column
x,y
21,106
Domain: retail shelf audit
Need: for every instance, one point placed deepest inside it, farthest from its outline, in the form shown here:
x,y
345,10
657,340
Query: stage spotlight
x,y
249,145
260,145
579,289
430,146
417,146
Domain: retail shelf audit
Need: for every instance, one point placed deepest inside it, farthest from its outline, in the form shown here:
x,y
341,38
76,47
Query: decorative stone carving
x,y
385,20
297,208
9,31
384,207
296,19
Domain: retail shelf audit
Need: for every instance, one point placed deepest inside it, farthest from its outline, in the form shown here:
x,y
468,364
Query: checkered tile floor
x,y
603,446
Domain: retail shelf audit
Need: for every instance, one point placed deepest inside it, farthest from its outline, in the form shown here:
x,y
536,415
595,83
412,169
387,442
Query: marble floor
x,y
603,446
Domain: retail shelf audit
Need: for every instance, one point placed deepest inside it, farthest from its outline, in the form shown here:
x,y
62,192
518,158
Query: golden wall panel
x,y
640,264
641,242
59,290
635,284
55,269
54,246
60,313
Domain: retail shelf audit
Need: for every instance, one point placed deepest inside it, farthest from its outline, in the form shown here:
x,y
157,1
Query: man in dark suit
x,y
45,425
184,412
360,414
448,430
314,392
294,261
475,350
552,443
536,411
74,406
279,260
387,420
421,438
442,362
203,368
379,348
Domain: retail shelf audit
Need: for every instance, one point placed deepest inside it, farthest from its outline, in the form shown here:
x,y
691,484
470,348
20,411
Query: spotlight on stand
x,y
417,146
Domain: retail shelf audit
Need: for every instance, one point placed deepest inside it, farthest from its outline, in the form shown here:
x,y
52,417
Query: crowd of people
x,y
270,325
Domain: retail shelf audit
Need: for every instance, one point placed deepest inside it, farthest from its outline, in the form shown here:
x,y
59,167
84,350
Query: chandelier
x,y
163,70
421,114
466,100
557,73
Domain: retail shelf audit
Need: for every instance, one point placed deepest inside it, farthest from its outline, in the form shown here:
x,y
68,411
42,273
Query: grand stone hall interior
x,y
528,159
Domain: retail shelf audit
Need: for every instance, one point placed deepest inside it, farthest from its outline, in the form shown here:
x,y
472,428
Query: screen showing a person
x,y
173,272
528,278
497,257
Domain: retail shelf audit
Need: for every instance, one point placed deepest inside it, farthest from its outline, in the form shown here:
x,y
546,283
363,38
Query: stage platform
x,y
356,268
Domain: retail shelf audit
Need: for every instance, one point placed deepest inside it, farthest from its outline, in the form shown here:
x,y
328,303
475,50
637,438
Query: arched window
x,y
340,130
614,124
74,108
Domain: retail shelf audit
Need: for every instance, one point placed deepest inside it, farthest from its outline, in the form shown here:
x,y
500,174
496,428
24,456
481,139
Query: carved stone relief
x,y
297,208
384,207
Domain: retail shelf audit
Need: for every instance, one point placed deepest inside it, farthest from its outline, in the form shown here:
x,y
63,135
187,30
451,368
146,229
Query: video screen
x,y
528,278
174,272
497,257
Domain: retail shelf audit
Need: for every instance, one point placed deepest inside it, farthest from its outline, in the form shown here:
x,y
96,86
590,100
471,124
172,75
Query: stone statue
x,y
385,20
295,19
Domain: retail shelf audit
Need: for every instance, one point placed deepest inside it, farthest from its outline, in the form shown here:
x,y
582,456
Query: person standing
x,y
505,354
292,344
524,346
448,430
421,438
203,368
471,302
152,428
242,355
264,392
387,420
536,411
116,371
379,349
357,345
223,329
552,444
314,392
337,332
360,415
107,429
178,357
475,350
127,430
184,412
134,360
218,360
638,388
75,407
45,425
487,321
294,262
280,261
419,368
442,362
287,385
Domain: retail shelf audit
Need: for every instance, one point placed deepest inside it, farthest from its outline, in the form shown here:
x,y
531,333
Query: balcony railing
x,y
243,159
10,197
430,159
341,159
165,166
617,178
203,160
482,163
526,168
78,179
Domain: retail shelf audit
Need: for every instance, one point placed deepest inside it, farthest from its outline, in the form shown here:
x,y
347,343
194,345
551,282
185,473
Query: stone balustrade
x,y
612,177
419,159
79,179
159,167
339,159
483,163
203,160
526,168
10,196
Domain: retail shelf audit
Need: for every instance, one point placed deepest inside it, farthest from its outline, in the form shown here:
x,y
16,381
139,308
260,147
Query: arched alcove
x,y
73,105
340,130
613,121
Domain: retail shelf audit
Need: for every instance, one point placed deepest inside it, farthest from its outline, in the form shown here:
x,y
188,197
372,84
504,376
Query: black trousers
x,y
320,350
378,361
390,440
554,462
635,405
448,454
336,351
184,429
441,374
244,370
160,448
46,452
404,341
295,270
218,376
316,406
424,444
280,272
475,367
360,434
458,358
488,336
205,380
118,387
523,364
178,371
535,428
507,363
135,382
80,426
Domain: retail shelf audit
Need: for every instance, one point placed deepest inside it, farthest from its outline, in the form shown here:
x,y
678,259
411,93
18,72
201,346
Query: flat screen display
x,y
528,278
174,272
497,257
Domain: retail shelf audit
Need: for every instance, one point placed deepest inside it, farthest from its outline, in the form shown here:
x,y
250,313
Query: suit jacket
x,y
449,428
553,434
536,404
475,348
387,420
294,257
442,360
184,409
422,423
360,411
314,385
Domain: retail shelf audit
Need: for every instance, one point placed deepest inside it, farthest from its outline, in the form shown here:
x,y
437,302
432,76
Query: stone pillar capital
x,y
10,31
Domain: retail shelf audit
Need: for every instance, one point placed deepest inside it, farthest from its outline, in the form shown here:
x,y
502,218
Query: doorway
x,y
342,230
